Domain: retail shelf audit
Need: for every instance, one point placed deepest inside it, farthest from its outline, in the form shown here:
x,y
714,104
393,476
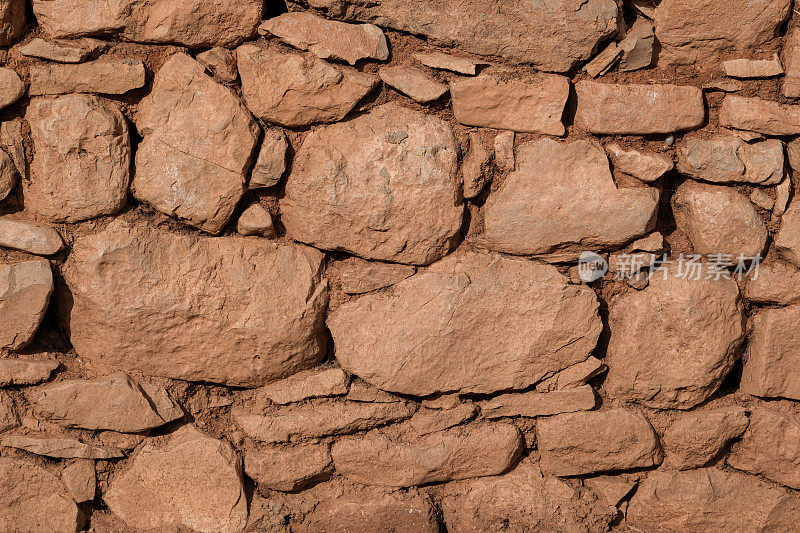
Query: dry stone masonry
x,y
399,266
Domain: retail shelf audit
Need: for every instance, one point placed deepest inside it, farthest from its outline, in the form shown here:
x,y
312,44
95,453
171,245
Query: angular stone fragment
x,y
753,68
60,447
256,220
728,159
8,413
328,39
573,376
34,500
321,419
604,61
359,276
724,28
533,104
29,237
711,500
777,283
388,192
23,372
289,469
193,481
761,199
674,342
307,384
11,139
461,453
558,34
773,353
426,421
80,479
221,62
787,240
11,87
191,23
696,438
641,165
197,147
762,116
533,404
228,310
297,90
271,162
442,61
76,51
438,330
475,166
769,447
8,175
25,290
369,509
107,77
115,403
597,441
12,20
610,489
637,46
638,109
522,500
504,154
724,85
81,165
718,220
562,198
790,52
413,82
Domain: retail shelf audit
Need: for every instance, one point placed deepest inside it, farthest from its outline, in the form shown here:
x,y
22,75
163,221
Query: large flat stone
x,y
25,290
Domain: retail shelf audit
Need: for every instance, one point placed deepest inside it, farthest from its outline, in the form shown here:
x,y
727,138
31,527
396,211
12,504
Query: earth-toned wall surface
x,y
400,266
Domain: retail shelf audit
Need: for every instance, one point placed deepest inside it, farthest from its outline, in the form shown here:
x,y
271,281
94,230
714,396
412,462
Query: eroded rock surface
x,y
25,290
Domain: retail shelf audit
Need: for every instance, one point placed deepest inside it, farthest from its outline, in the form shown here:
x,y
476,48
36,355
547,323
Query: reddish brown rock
x,y
307,384
637,46
562,199
461,453
769,447
193,481
33,500
81,165
271,162
638,109
25,290
413,82
790,53
535,404
29,237
8,413
74,51
107,77
320,419
197,147
60,447
597,441
475,166
115,403
191,23
80,479
438,60
711,500
12,20
328,39
522,500
388,192
524,104
610,489
22,372
694,439
674,342
641,165
297,90
370,510
787,240
718,220
8,175
574,376
221,62
728,159
359,276
777,282
208,313
426,421
256,220
773,354
753,68
439,330
504,154
12,88
762,116
289,469
558,34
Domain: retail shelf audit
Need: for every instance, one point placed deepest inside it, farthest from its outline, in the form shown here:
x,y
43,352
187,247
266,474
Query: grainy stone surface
x,y
761,116
695,439
289,469
772,356
21,372
105,77
413,82
728,159
25,290
28,237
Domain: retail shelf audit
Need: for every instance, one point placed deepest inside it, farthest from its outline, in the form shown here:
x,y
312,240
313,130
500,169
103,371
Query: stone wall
x,y
399,266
